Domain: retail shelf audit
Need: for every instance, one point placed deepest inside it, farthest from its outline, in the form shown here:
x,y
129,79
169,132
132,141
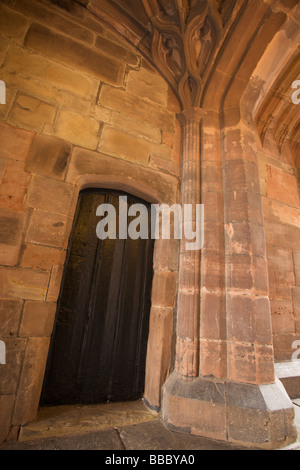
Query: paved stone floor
x,y
112,427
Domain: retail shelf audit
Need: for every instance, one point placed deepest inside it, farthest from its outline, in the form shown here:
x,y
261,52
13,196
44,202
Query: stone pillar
x,y
187,341
245,404
250,357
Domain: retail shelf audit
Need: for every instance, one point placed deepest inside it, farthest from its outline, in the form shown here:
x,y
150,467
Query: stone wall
x,y
281,204
83,109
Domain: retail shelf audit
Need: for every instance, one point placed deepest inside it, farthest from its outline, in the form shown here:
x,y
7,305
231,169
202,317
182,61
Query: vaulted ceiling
x,y
207,51
199,46
277,113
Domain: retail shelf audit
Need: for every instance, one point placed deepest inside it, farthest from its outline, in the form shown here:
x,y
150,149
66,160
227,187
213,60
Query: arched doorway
x,y
99,341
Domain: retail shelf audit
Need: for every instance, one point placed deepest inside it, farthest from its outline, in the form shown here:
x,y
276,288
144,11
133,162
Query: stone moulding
x,y
255,416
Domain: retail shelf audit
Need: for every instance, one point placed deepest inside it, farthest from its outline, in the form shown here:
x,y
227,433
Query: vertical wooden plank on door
x,y
99,342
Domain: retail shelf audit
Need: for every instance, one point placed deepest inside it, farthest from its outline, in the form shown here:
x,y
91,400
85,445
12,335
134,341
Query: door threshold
x,y
66,420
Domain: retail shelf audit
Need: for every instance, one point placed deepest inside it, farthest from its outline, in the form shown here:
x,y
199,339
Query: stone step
x,y
289,374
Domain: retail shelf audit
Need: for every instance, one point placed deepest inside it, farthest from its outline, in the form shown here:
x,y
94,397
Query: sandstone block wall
x,y
83,108
281,203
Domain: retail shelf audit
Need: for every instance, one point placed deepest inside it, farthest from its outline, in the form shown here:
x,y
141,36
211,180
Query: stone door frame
x,y
164,287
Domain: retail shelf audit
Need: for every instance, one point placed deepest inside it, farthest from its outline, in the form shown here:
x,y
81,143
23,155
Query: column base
x,y
256,416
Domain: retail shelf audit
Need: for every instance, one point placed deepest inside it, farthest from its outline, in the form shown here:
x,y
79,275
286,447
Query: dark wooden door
x,y
98,346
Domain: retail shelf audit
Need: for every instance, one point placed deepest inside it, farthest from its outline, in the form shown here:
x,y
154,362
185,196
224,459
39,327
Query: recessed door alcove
x,y
99,341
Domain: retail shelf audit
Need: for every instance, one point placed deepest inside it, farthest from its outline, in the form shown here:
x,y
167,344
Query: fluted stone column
x,y
187,341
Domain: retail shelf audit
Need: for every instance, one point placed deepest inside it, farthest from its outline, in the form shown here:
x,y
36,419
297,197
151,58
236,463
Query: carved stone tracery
x,y
185,36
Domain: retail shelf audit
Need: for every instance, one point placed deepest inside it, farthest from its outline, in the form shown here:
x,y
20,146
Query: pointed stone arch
x,y
228,344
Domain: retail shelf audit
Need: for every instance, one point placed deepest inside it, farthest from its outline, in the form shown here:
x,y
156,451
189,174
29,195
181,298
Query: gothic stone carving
x,y
185,36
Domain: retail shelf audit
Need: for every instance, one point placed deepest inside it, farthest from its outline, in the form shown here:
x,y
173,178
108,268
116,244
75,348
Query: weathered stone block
x,y
159,353
260,416
184,402
127,103
10,97
280,212
166,255
2,167
164,288
37,319
146,84
260,274
213,205
11,226
212,176
282,344
241,361
213,236
10,372
134,126
283,293
121,144
20,61
250,363
55,96
13,185
46,228
55,283
235,175
265,363
213,318
50,195
13,24
118,51
53,19
238,237
167,138
213,357
92,23
284,278
31,380
15,143
281,234
239,271
243,206
23,283
124,145
262,321
241,314
282,316
31,113
164,165
212,266
10,312
296,257
244,237
77,129
9,254
73,53
41,257
6,409
296,300
99,166
49,156
11,230
4,45
233,144
282,186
